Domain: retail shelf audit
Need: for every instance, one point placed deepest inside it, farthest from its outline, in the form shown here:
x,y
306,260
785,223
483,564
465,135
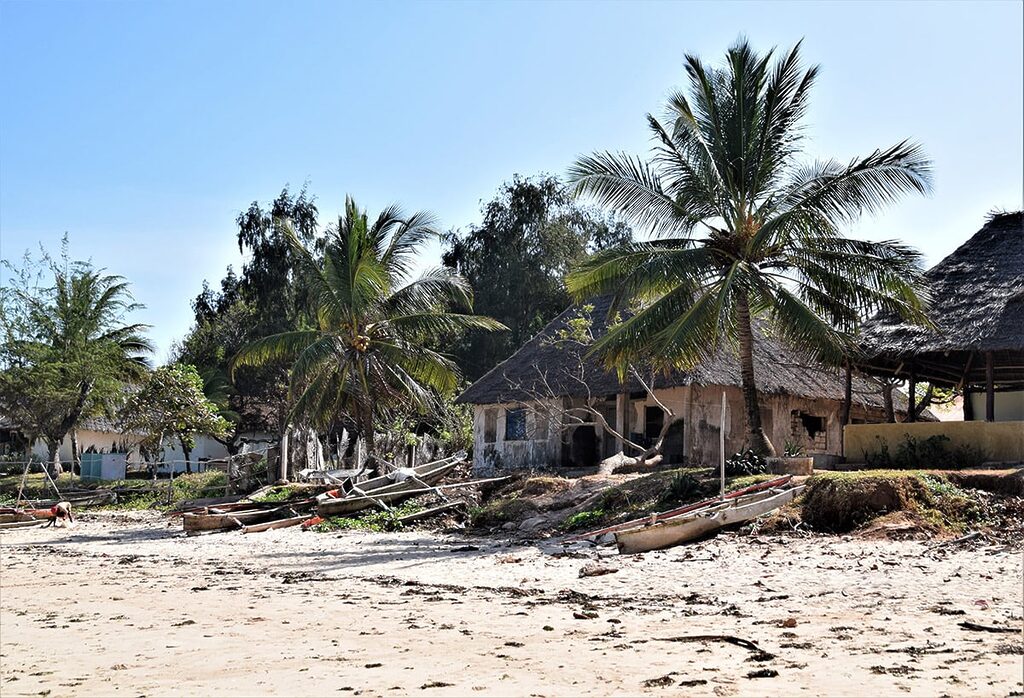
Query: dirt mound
x,y
1009,482
900,525
537,486
839,502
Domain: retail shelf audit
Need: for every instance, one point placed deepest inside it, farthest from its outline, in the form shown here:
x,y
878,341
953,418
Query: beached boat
x,y
689,526
662,515
215,519
386,489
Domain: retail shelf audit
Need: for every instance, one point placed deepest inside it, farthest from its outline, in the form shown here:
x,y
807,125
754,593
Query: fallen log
x,y
731,639
968,625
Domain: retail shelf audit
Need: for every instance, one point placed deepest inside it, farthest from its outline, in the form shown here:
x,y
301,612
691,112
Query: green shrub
x,y
745,463
379,521
931,452
583,519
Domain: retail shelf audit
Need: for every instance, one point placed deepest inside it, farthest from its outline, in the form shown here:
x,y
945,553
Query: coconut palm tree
x,y
370,348
76,329
742,228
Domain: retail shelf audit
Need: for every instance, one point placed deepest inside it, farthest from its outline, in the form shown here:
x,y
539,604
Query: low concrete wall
x,y
1001,441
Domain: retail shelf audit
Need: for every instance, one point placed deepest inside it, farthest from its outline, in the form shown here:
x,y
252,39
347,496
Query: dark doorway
x,y
584,447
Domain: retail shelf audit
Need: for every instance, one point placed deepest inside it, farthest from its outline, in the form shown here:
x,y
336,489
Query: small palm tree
x,y
77,325
745,229
370,347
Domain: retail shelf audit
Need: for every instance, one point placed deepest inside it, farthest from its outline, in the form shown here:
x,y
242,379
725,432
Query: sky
x,y
142,129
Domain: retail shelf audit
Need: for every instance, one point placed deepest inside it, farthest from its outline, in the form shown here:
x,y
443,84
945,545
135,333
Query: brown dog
x,y
62,511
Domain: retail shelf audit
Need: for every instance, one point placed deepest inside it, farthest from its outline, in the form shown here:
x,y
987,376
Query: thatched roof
x,y
977,306
778,370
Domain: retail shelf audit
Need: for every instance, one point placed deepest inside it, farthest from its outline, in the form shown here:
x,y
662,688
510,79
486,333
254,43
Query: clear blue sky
x,y
143,128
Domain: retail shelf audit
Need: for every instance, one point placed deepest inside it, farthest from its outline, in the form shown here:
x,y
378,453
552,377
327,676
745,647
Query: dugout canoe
x,y
699,523
194,522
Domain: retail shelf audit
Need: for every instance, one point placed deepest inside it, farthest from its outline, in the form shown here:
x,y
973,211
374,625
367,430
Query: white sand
x,y
126,605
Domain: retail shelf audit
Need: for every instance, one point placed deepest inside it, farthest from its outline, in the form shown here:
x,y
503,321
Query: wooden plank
x,y
280,523
20,524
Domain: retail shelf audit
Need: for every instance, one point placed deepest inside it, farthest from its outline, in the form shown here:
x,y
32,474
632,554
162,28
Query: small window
x,y
814,425
515,424
490,425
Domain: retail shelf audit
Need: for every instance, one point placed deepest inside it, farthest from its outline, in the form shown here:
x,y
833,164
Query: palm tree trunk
x,y
757,440
368,434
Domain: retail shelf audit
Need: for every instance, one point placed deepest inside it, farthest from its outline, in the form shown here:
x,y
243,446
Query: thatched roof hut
x,y
545,366
978,312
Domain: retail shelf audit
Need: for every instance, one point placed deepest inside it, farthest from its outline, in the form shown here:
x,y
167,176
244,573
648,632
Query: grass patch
x,y
280,494
583,519
378,521
838,502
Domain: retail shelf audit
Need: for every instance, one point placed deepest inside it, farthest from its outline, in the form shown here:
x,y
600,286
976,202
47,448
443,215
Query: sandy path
x,y
131,607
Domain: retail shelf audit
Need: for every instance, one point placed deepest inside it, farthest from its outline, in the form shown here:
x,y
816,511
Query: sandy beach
x,y
124,604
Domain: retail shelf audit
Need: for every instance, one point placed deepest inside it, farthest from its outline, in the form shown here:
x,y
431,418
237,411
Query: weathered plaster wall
x,y
1001,441
700,407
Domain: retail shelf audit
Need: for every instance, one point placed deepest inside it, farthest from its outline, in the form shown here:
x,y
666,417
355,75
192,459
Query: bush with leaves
x,y
746,462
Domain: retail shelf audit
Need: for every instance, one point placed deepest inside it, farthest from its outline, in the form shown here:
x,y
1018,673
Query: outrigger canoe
x,y
666,532
216,519
385,489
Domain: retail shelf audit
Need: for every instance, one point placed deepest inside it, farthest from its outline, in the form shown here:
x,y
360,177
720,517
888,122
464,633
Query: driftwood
x,y
731,639
968,625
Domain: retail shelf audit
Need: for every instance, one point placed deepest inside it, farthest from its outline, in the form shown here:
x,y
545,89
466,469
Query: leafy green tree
x,y
370,347
268,297
516,261
171,403
746,229
67,351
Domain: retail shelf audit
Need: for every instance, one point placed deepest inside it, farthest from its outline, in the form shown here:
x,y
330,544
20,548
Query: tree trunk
x,y
74,450
757,440
890,409
368,434
186,451
53,457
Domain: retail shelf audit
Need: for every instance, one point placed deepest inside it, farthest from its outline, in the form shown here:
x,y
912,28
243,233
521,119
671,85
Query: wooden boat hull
x,y
680,529
382,490
191,522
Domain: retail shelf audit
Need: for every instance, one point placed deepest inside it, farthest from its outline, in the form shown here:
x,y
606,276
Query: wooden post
x,y
912,396
284,455
721,444
968,407
990,387
847,394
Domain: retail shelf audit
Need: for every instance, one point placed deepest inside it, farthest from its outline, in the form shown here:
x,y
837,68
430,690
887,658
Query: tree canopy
x,y
171,403
515,260
370,347
68,350
747,228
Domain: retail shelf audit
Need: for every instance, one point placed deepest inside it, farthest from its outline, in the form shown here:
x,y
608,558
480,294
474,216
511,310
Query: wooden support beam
x,y
912,396
968,407
990,387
